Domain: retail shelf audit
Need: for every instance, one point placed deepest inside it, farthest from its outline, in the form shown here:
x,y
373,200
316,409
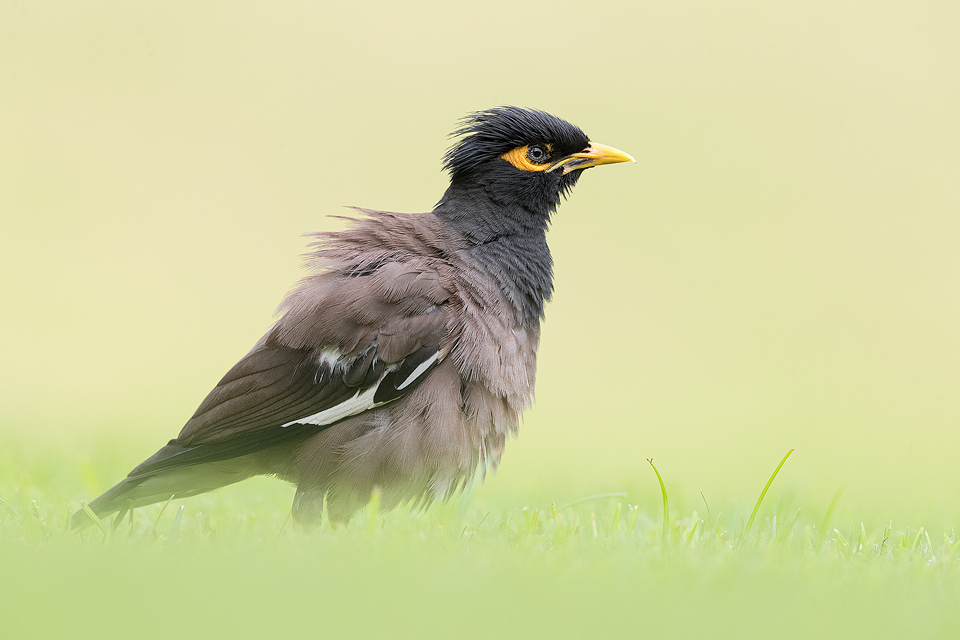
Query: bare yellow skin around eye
x,y
518,158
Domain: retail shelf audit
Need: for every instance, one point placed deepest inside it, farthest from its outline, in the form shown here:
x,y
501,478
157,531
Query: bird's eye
x,y
537,153
534,157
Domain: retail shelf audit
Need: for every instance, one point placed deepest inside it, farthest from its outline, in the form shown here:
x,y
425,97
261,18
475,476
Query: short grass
x,y
490,564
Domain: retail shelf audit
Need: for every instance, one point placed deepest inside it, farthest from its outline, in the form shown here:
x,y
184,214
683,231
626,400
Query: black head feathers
x,y
489,134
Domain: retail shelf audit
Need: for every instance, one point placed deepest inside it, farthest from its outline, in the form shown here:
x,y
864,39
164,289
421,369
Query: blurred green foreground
x,y
493,563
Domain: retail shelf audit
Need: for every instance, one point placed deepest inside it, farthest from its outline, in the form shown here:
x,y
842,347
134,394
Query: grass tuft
x,y
666,503
756,507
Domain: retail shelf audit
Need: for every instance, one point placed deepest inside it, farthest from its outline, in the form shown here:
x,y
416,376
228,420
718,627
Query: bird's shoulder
x,y
370,322
387,277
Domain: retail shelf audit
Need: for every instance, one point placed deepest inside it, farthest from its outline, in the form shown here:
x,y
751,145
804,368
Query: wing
x,y
348,342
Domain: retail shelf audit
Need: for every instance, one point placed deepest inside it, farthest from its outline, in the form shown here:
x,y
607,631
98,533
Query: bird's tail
x,y
119,498
143,488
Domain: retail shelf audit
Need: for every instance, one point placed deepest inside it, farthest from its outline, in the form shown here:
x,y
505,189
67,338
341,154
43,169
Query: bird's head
x,y
523,157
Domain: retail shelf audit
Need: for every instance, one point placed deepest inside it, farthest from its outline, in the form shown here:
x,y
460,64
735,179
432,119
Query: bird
x,y
402,362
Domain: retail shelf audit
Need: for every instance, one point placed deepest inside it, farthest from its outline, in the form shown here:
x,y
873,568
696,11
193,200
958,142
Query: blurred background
x,y
781,269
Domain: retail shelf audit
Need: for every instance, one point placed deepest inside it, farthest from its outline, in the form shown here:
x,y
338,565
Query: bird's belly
x,y
433,442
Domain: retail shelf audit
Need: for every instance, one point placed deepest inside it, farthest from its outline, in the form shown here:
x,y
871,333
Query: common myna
x,y
404,361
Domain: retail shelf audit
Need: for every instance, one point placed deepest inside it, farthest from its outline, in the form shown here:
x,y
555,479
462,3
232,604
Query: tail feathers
x,y
183,470
116,499
141,489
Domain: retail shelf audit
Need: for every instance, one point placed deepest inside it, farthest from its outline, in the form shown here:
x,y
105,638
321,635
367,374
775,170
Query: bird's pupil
x,y
536,153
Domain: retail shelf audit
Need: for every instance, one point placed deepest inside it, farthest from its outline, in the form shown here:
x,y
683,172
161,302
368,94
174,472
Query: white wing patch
x,y
423,366
329,356
360,402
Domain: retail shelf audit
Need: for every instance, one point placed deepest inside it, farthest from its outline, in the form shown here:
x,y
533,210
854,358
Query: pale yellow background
x,y
782,268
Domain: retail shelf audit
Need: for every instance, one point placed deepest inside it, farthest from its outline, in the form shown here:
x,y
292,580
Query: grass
x,y
492,564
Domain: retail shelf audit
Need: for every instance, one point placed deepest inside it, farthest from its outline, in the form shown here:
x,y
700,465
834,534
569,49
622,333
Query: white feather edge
x,y
362,400
423,366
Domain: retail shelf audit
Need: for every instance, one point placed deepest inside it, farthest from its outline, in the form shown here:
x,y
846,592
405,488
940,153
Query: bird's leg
x,y
340,508
308,508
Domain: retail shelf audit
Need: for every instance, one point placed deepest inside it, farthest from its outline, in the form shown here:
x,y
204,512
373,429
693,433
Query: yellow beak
x,y
594,155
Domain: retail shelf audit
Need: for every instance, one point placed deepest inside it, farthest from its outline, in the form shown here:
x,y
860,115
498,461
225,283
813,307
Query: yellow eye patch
x,y
520,158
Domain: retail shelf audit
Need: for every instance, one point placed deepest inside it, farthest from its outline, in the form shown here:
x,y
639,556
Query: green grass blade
x,y
175,529
704,497
886,537
693,531
93,516
763,493
159,515
829,514
666,504
916,539
9,506
789,529
841,540
634,516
